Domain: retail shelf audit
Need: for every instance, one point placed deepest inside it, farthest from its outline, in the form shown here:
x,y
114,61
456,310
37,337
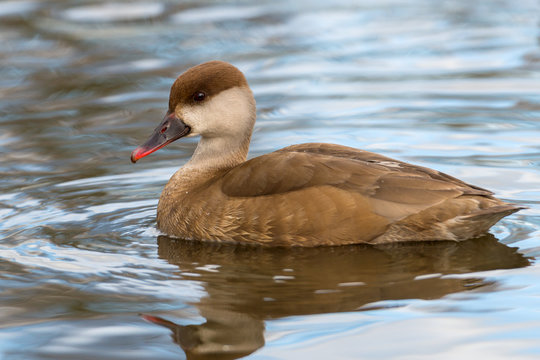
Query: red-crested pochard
x,y
302,195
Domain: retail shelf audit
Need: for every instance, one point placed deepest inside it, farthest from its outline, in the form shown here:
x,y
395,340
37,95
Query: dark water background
x,y
84,274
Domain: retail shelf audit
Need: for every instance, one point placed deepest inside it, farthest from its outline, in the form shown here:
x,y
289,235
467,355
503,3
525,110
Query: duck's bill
x,y
170,129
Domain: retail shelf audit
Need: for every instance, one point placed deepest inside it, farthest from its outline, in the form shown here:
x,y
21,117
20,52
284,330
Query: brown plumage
x,y
303,195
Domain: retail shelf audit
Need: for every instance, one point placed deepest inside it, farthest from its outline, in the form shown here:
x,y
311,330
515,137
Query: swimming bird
x,y
302,195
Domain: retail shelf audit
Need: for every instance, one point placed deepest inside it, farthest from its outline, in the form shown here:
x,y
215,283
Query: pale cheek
x,y
206,119
229,113
193,118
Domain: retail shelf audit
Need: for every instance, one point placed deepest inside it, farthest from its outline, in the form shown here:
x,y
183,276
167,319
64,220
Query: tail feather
x,y
428,225
479,222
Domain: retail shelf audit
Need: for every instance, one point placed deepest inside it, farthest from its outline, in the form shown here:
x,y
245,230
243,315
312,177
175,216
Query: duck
x,y
311,194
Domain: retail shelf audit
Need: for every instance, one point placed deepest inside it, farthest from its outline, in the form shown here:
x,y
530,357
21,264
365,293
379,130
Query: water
x,y
84,274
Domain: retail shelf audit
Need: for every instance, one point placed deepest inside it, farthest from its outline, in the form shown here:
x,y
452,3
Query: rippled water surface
x,y
84,274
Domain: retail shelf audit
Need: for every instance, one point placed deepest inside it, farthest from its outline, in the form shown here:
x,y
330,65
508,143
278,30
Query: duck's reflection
x,y
247,285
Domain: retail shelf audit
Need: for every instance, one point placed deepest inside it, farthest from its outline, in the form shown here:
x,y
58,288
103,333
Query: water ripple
x,y
112,11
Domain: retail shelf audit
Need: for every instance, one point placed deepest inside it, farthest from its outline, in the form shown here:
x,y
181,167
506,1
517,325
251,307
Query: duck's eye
x,y
199,96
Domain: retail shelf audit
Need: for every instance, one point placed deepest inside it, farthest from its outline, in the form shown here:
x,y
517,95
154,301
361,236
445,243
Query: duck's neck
x,y
218,153
212,157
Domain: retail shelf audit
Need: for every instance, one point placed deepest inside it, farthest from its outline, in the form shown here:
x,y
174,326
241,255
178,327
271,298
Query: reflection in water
x,y
247,285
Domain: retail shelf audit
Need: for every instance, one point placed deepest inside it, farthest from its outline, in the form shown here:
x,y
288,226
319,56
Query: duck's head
x,y
212,100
